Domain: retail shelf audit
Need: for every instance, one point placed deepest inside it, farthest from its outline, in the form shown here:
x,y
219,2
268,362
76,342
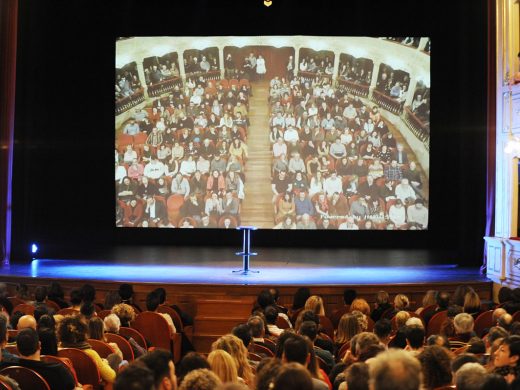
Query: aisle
x,y
257,209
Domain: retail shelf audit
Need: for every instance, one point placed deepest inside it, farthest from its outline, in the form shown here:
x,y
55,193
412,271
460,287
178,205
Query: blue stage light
x,y
34,248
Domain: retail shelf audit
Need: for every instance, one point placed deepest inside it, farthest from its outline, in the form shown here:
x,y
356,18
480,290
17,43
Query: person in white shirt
x,y
291,135
333,184
397,213
405,191
203,165
296,164
181,186
279,148
130,154
350,112
120,173
188,166
278,121
337,150
418,213
154,169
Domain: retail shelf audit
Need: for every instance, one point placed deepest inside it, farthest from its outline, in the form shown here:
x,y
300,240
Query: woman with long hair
x,y
223,364
235,347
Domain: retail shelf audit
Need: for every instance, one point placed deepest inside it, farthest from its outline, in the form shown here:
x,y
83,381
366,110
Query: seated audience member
x,y
113,325
463,324
257,327
243,332
56,375
6,356
47,335
472,304
135,377
361,305
56,294
125,313
190,362
383,330
294,376
399,341
126,292
88,310
73,333
200,379
470,376
271,315
152,304
436,367
224,366
266,372
414,339
306,223
75,299
395,370
382,305
235,347
96,331
26,321
310,330
356,377
506,358
443,301
298,349
160,362
347,328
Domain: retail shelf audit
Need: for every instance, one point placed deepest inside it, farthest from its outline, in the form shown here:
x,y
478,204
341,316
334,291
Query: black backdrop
x,y
63,179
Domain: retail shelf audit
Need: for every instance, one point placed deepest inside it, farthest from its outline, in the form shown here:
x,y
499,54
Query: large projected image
x,y
278,132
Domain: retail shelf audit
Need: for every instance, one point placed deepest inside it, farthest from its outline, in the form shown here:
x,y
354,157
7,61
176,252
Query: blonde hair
x,y
315,304
235,347
362,320
401,302
361,305
471,302
126,313
201,379
382,297
429,298
400,318
223,364
348,327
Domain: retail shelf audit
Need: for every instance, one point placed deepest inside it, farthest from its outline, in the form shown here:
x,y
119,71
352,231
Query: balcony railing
x,y
208,76
388,103
310,76
418,127
128,102
164,86
354,88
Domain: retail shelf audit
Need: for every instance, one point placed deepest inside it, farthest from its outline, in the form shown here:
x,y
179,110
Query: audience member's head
x,y
315,303
497,382
40,294
87,309
266,372
435,362
382,298
508,353
271,314
200,379
470,376
356,376
349,295
13,320
361,305
96,328
75,297
348,327
256,326
383,329
265,298
463,323
471,302
88,293
223,365
401,302
505,321
26,321
243,332
300,297
40,310
395,369
126,313
505,294
460,293
400,318
126,292
135,377
235,347
160,362
27,342
72,331
309,329
112,323
161,292
190,362
152,301
443,300
462,359
476,345
293,376
363,341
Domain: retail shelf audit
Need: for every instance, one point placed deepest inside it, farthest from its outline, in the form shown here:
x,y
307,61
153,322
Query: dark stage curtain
x,y
8,29
491,128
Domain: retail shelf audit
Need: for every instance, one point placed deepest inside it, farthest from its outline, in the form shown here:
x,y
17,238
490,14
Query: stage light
x,y
34,248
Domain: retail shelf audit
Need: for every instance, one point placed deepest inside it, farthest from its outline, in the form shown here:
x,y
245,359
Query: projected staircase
x,y
257,209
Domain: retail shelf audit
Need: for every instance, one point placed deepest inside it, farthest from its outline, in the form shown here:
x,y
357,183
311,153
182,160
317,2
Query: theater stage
x,y
214,266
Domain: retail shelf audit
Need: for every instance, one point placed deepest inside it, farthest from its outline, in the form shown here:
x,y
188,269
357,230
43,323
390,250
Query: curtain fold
x,y
491,128
8,35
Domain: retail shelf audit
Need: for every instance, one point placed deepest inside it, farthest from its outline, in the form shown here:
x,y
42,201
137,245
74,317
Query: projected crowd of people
x,y
337,162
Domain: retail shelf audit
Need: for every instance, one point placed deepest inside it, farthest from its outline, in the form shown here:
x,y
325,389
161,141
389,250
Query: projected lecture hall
x,y
292,132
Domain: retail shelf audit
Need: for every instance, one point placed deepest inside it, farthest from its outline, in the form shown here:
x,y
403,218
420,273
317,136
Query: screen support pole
x,y
246,250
